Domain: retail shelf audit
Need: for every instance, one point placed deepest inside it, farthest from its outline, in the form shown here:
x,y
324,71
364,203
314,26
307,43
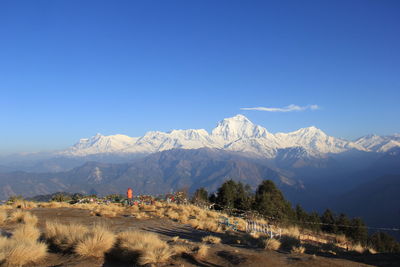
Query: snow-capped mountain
x,y
237,133
378,143
99,144
315,141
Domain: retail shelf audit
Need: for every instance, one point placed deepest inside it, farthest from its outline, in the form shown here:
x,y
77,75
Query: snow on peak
x,y
99,144
315,141
234,128
238,117
378,143
236,133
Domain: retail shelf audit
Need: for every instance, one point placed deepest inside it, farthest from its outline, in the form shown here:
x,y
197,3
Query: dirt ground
x,y
225,254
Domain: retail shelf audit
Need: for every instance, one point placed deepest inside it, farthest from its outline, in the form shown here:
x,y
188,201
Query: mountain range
x,y
310,167
237,134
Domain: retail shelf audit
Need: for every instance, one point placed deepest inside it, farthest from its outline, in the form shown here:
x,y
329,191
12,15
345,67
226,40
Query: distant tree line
x,y
269,202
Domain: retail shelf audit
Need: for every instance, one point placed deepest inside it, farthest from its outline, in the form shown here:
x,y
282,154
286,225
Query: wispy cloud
x,y
284,109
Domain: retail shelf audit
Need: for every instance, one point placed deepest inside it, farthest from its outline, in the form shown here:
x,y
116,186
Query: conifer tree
x,y
200,195
301,215
383,242
234,195
314,222
343,223
269,201
328,222
358,232
226,194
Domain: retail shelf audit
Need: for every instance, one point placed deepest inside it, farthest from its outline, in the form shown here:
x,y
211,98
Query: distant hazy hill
x,y
157,173
377,202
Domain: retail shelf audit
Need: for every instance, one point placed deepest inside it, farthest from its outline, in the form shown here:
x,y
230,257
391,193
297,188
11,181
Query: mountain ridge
x,y
236,133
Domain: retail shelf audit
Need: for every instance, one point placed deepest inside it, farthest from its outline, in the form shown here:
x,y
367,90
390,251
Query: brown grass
x,y
26,232
172,214
22,248
20,253
289,242
55,205
211,239
23,204
174,239
3,241
20,216
292,231
3,216
133,209
272,244
357,248
64,236
299,250
180,249
95,243
340,238
146,248
201,251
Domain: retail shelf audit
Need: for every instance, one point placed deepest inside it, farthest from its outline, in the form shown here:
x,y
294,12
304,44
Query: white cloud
x,y
284,109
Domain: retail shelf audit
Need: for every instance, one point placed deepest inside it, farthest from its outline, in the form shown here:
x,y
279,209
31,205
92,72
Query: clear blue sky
x,y
70,69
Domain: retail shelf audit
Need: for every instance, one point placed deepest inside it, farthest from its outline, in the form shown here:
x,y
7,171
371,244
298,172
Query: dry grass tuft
x,y
156,255
95,243
22,248
20,216
272,244
23,204
174,239
26,232
133,209
180,249
201,251
3,241
299,250
141,216
357,248
64,236
292,231
148,208
145,248
211,239
20,253
55,205
173,214
289,242
3,216
340,238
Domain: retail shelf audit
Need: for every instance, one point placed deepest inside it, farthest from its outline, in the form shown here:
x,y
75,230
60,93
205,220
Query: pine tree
x,y
301,215
243,200
234,195
328,222
358,232
269,201
343,223
226,194
315,222
201,195
383,242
